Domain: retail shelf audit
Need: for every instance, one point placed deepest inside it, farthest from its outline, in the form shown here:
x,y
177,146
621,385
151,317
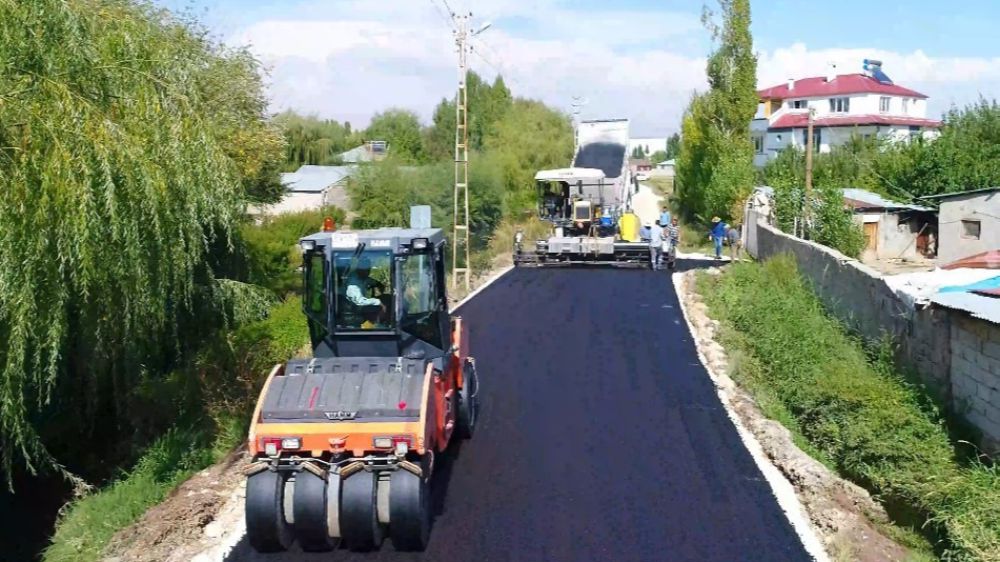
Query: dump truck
x,y
343,444
588,204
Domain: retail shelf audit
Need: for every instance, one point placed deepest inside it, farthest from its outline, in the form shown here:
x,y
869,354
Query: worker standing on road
x,y
673,233
717,235
655,245
735,240
644,231
665,217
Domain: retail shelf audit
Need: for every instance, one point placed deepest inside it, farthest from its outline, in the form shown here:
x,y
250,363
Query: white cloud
x,y
352,58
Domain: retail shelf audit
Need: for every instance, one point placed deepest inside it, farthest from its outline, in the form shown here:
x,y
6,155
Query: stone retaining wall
x,y
957,355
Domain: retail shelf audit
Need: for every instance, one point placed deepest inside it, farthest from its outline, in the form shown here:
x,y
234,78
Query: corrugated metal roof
x,y
960,193
313,179
876,201
984,308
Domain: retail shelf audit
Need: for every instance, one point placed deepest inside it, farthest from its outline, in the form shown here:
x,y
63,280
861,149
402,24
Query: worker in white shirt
x,y
360,284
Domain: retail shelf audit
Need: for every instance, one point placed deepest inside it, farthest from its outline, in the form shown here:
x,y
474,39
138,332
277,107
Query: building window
x,y
906,105
971,230
758,144
840,105
816,139
800,104
883,104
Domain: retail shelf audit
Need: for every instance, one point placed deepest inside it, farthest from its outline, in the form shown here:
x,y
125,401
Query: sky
x,y
640,59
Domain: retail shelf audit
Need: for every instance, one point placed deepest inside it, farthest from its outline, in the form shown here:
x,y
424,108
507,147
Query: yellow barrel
x,y
629,226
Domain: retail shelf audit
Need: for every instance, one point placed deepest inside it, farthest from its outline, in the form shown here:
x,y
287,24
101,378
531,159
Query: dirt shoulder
x,y
844,516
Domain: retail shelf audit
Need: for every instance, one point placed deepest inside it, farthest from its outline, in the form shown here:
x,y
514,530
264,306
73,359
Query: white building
x,y
312,187
844,105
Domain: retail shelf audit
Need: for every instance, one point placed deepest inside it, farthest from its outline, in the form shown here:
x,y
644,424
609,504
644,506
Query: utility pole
x,y
807,208
460,232
460,264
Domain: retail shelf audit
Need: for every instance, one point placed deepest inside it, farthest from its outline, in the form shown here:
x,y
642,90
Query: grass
x,y
231,368
849,407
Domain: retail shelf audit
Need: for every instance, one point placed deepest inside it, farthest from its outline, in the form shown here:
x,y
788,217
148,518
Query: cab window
x,y
315,301
421,303
364,287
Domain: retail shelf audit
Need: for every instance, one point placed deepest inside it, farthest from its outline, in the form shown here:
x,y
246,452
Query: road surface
x,y
601,437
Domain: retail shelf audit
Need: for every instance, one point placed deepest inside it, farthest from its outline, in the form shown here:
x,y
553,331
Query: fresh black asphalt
x,y
601,437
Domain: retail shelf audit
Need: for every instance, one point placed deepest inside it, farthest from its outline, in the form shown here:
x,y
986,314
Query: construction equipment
x,y
589,204
343,444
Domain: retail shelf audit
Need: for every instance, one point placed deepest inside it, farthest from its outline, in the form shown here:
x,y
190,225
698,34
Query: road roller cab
x,y
343,443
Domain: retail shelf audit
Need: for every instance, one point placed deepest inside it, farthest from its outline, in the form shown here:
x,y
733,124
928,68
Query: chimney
x,y
831,72
791,83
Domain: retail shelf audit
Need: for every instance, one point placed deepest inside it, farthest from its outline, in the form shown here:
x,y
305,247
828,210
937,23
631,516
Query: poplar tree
x,y
715,162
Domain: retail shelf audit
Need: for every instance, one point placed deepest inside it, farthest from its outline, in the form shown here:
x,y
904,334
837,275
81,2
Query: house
x,y
969,223
640,165
865,104
664,169
313,187
892,230
369,152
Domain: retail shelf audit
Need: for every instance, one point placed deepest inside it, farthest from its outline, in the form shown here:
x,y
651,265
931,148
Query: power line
x,y
444,17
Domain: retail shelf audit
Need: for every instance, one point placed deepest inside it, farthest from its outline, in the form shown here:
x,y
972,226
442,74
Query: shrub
x,y
855,408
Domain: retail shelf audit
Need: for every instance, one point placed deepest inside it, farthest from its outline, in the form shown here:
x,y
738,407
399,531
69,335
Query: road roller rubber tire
x,y
267,530
468,403
310,507
359,526
409,511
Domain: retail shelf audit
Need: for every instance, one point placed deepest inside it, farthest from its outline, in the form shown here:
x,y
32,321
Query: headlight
x,y
420,243
307,245
382,442
291,443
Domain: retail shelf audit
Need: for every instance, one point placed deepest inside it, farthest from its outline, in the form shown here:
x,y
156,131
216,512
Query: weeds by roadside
x,y
853,410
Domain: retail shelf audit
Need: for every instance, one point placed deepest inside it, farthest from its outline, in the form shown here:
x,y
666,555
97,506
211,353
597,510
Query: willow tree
x,y
129,144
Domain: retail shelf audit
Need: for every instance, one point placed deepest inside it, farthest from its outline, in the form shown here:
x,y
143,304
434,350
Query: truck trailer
x,y
589,204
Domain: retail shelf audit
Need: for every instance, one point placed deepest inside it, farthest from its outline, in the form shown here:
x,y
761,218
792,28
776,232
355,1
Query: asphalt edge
x,y
781,487
495,277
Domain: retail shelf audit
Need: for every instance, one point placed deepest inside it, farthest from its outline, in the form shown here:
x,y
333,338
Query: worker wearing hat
x,y
717,235
360,284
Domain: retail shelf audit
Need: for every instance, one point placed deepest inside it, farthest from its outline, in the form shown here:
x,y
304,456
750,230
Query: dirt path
x,y
646,204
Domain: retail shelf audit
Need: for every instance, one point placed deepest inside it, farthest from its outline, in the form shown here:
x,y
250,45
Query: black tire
x,y
468,402
409,511
310,512
267,530
359,526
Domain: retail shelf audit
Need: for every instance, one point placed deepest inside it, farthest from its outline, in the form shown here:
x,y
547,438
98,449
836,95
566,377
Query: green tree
x,y
673,146
401,129
129,145
311,140
715,165
530,137
487,104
